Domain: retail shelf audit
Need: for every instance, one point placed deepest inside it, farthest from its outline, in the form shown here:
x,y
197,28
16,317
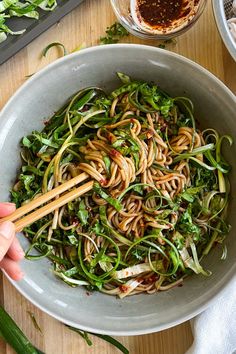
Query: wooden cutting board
x,y
33,27
84,26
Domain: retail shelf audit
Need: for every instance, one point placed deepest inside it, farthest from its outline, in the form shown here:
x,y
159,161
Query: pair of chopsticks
x,y
22,221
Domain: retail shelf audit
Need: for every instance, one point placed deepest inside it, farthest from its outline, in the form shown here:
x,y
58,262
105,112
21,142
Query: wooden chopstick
x,y
48,208
45,198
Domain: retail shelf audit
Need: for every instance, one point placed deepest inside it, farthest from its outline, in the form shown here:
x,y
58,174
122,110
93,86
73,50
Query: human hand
x,y
10,250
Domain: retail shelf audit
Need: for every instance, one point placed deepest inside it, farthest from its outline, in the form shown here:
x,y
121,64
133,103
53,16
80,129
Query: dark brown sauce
x,y
162,13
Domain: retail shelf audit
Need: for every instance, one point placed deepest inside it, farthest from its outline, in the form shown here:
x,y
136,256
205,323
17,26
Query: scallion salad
x,y
160,193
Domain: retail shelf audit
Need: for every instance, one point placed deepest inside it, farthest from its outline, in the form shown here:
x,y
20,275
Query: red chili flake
x,y
103,182
152,279
140,280
114,152
150,133
123,288
131,120
74,220
110,137
123,185
87,293
46,122
186,12
160,14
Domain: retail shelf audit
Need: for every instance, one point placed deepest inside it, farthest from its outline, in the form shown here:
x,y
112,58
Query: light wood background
x,y
85,25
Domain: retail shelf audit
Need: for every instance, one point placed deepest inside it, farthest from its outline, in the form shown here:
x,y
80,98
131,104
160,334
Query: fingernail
x,y
21,274
21,253
18,249
17,276
8,203
6,229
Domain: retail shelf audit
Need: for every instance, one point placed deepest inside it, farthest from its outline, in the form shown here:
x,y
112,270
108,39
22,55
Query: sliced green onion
x,y
35,323
83,213
125,79
70,280
224,253
124,89
83,334
44,249
106,338
114,202
113,342
194,152
198,268
54,44
106,274
107,162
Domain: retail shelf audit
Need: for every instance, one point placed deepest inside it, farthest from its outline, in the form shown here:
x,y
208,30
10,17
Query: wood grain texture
x,y
85,25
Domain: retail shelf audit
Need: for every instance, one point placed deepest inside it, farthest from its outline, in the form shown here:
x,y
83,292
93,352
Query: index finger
x,y
6,209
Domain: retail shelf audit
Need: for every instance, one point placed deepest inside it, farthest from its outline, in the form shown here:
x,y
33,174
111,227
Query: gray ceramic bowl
x,y
221,10
44,93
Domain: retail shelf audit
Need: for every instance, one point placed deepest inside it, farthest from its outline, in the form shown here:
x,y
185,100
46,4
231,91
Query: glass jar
x,y
129,15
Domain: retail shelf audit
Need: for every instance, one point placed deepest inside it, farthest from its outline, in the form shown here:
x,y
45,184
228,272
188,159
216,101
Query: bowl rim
x,y
184,318
58,61
218,10
226,279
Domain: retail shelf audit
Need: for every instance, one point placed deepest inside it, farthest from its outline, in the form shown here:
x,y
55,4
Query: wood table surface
x,y
84,26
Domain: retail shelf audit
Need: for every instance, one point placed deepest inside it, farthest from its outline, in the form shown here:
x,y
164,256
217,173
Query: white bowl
x,y
219,7
42,95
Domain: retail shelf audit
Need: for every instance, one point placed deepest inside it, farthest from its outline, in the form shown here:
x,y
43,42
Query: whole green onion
x,y
14,336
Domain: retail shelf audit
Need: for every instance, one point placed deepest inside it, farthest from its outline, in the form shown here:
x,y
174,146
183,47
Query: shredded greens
x,y
114,33
167,42
16,8
160,194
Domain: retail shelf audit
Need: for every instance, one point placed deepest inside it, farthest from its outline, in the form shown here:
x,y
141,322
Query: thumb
x,y
7,231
